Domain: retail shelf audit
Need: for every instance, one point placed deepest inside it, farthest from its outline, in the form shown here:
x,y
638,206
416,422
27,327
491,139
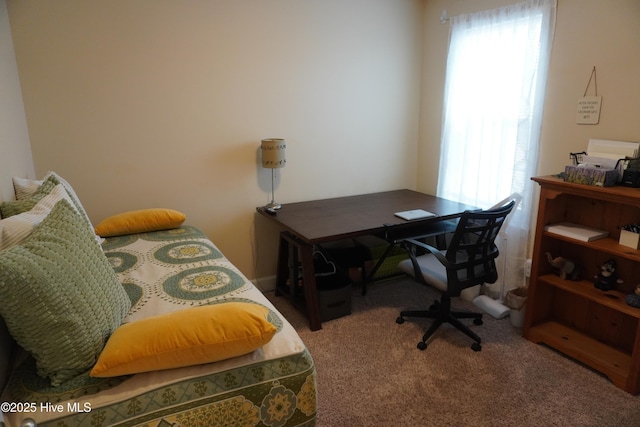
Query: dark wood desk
x,y
320,221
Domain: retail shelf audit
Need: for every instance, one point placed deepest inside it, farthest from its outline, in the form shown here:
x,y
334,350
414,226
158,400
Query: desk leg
x,y
283,268
290,252
309,285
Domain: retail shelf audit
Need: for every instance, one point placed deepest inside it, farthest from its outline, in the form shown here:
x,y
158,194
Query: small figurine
x,y
607,277
634,299
566,268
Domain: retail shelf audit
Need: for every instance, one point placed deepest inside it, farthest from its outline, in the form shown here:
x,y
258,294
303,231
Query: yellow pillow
x,y
187,337
140,221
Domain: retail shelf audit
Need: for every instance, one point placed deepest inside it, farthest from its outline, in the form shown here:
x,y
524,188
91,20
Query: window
x,y
494,91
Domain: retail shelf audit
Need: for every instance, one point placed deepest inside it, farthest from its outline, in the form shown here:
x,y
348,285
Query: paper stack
x,y
575,231
604,153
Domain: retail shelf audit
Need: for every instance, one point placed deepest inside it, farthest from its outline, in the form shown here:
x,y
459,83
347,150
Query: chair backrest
x,y
472,250
517,198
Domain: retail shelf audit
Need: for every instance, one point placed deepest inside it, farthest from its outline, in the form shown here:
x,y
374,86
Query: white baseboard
x,y
265,284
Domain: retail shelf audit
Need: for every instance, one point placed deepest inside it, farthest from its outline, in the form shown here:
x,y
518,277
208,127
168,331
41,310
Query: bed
x,y
168,275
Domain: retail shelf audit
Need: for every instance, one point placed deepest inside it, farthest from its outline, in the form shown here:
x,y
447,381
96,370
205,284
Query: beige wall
x,y
15,151
163,103
605,34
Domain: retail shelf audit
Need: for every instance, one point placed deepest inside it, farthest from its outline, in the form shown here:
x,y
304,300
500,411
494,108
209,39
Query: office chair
x,y
469,260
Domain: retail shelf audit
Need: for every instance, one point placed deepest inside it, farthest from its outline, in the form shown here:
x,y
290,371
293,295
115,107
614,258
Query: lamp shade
x,y
273,153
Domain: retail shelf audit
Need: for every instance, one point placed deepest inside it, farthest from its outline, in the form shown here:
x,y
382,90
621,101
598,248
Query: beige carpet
x,y
371,373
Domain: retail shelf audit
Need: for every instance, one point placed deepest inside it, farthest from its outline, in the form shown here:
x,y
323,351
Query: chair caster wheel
x,y
476,347
399,320
477,321
422,345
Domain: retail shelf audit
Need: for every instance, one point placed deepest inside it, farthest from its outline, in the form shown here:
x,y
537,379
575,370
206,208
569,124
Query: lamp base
x,y
273,206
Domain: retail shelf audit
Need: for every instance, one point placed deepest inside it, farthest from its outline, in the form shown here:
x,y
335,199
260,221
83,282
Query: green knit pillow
x,y
15,207
59,296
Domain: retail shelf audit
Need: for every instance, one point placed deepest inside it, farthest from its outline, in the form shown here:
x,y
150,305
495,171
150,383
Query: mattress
x,y
162,272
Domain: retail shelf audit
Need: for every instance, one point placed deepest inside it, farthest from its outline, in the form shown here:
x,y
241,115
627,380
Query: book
x,y
414,214
575,231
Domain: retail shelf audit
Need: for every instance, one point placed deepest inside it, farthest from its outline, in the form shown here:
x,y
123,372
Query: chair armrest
x,y
434,251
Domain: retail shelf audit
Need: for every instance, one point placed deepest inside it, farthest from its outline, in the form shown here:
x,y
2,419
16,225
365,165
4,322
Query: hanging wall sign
x,y
589,106
588,110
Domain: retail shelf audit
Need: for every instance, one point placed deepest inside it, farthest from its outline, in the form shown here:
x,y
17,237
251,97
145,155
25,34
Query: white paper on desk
x,y
414,214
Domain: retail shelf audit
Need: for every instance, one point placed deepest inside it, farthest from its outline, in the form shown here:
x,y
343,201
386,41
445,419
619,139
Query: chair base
x,y
441,313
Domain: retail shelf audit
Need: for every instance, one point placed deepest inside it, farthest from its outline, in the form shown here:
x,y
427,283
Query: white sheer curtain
x,y
494,91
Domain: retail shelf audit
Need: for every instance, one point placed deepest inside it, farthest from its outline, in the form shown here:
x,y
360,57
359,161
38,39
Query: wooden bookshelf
x,y
594,327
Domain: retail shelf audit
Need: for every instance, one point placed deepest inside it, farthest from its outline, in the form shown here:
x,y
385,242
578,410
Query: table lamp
x,y
273,158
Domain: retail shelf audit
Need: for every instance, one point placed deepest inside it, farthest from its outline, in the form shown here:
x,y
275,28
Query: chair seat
x,y
433,272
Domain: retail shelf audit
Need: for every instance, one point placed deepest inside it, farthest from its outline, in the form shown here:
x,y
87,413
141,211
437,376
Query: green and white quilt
x,y
162,272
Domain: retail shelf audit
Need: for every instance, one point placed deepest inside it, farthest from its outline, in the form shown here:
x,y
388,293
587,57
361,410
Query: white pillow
x,y
17,227
24,188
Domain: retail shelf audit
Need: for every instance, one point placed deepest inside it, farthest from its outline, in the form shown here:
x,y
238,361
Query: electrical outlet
x,y
527,267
